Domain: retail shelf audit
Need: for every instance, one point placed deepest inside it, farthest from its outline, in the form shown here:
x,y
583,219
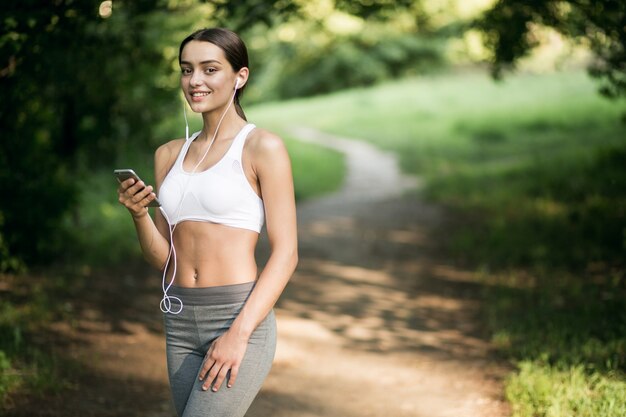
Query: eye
x,y
185,71
210,70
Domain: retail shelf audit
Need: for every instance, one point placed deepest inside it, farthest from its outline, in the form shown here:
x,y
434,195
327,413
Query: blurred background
x,y
511,113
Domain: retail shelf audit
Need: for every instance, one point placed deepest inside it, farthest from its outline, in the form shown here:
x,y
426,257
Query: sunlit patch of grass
x,y
541,390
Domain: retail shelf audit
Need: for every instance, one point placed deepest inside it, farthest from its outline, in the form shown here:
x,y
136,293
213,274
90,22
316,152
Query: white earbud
x,y
237,83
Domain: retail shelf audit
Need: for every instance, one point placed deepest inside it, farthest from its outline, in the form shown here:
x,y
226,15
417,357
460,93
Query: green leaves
x,y
508,27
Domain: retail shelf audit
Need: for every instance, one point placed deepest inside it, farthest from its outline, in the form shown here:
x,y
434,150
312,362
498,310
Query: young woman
x,y
216,189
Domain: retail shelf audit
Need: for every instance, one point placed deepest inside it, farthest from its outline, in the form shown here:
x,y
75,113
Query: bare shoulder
x,y
165,156
169,150
263,143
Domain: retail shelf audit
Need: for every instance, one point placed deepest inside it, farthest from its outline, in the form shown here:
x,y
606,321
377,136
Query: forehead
x,y
200,51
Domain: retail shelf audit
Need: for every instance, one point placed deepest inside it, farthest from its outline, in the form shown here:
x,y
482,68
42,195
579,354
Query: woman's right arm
x,y
153,235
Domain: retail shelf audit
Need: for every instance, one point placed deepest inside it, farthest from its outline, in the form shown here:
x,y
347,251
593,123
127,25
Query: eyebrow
x,y
208,61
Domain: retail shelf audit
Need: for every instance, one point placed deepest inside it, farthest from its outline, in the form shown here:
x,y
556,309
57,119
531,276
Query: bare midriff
x,y
210,254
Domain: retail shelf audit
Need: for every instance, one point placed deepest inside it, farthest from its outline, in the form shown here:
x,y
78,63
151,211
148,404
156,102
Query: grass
x,y
550,392
316,170
532,170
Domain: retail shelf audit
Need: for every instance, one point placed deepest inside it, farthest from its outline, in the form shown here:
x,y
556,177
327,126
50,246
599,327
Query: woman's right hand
x,y
135,196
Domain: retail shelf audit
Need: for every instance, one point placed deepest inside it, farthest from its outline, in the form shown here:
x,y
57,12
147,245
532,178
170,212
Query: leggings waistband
x,y
223,294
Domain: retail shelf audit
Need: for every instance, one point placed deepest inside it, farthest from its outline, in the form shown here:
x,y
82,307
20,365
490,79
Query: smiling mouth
x,y
203,94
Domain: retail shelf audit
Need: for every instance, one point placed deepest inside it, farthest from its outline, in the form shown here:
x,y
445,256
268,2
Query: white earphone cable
x,y
166,302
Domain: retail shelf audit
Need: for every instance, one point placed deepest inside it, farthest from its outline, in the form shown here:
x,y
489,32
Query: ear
x,y
242,77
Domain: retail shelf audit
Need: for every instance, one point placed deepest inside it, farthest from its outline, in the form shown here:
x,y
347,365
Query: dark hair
x,y
234,49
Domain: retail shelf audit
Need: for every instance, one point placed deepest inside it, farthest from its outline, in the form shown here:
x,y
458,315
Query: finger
x,y
210,378
143,204
205,375
135,188
234,371
142,194
121,189
206,365
127,183
135,202
221,376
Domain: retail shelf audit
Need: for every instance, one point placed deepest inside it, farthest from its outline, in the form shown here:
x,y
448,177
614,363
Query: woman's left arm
x,y
273,169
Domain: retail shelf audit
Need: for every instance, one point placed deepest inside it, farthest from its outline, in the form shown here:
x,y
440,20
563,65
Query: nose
x,y
196,78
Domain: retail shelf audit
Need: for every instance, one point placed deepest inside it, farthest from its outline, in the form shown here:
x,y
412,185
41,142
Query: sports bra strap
x,y
183,151
237,146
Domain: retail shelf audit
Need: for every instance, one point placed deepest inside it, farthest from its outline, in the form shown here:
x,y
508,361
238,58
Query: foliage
x,y
318,62
598,23
241,15
67,92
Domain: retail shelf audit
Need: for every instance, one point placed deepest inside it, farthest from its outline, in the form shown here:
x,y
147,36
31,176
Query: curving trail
x,y
371,174
373,323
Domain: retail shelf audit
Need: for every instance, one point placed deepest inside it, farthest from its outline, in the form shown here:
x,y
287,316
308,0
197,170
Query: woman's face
x,y
207,78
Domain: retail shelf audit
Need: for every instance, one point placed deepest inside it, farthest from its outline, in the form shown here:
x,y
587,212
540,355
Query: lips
x,y
197,96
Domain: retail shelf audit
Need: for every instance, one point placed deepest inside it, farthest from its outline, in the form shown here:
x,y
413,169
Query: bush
x,y
309,67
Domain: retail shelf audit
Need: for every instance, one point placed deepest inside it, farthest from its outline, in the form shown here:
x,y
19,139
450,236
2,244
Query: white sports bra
x,y
221,194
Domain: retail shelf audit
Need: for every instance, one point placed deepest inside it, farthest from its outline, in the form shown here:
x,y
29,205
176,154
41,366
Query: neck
x,y
231,122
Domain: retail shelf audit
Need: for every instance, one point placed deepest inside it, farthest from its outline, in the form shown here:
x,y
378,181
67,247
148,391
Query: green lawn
x,y
533,169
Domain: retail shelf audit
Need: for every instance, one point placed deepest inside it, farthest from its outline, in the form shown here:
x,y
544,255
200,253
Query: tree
x,y
600,24
65,83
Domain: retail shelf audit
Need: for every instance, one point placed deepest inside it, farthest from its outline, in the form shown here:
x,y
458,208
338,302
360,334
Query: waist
x,y
223,294
199,239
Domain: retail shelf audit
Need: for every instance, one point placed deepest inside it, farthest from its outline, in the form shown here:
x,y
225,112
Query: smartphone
x,y
124,174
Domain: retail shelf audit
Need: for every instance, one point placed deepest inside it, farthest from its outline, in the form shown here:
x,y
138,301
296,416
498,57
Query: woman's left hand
x,y
225,354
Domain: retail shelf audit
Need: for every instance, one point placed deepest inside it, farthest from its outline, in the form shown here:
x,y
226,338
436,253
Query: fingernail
x,y
229,386
204,388
214,389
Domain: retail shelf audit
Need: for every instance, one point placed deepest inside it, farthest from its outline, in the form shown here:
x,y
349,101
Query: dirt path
x,y
373,323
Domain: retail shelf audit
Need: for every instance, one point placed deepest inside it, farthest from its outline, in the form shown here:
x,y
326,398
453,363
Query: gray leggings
x,y
207,314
